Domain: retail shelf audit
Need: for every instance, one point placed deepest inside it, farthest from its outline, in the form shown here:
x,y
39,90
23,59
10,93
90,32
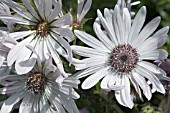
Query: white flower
x,y
120,54
43,31
37,91
82,10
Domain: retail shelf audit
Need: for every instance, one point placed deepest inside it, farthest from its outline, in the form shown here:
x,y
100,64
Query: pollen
x,y
42,29
36,83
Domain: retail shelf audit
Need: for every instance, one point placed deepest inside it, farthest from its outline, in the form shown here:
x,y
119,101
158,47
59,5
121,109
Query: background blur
x,y
97,101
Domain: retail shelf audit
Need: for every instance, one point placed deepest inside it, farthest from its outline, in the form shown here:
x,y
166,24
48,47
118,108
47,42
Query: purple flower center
x,y
123,58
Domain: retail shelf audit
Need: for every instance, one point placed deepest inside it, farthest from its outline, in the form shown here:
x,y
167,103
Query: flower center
x,y
36,83
42,29
123,58
75,24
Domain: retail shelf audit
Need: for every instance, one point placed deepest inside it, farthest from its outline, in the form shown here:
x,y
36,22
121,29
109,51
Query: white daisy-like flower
x,y
121,54
83,8
43,31
37,91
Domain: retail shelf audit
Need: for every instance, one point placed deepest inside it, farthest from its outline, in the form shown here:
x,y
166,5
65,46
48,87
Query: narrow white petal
x,y
15,52
137,24
17,19
152,78
138,79
87,52
64,20
65,44
161,36
40,7
85,9
26,104
20,10
155,55
102,36
126,24
30,8
20,35
91,41
118,25
66,33
153,68
93,79
54,14
11,101
147,31
80,7
106,26
47,7
88,71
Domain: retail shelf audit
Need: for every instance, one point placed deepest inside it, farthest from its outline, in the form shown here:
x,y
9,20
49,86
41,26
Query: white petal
x,y
80,7
95,61
104,82
56,58
93,79
11,101
87,52
153,68
147,31
47,7
15,52
137,24
85,9
107,27
126,24
88,71
65,44
30,8
64,20
113,82
55,12
118,25
91,41
66,33
20,10
21,34
102,36
155,55
161,36
39,5
17,19
26,104
139,80
153,79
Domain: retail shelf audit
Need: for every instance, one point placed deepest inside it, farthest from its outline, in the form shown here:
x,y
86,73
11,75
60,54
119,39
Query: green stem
x,y
168,104
117,108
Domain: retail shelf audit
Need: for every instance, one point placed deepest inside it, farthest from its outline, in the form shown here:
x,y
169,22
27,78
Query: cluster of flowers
x,y
37,35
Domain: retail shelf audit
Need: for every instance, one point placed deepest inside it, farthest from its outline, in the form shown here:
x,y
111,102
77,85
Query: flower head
x,y
83,8
43,29
37,91
121,53
165,65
